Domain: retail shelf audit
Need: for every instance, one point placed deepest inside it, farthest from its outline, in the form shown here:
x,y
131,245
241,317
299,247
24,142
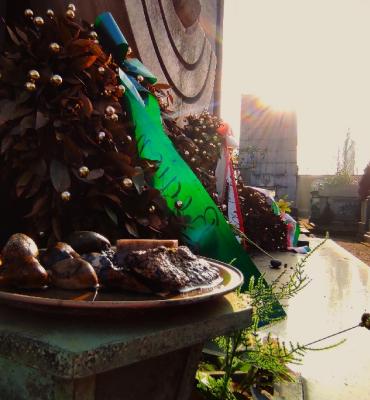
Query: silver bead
x,y
39,21
70,14
54,47
28,13
127,183
72,7
109,110
56,80
65,196
33,74
83,171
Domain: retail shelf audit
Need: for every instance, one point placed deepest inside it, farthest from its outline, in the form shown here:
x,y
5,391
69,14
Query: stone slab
x,y
76,347
336,297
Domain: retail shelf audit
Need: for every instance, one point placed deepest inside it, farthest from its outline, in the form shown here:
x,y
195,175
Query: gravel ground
x,y
360,250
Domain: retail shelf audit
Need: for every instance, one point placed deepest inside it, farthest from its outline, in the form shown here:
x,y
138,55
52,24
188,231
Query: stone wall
x,y
178,40
275,134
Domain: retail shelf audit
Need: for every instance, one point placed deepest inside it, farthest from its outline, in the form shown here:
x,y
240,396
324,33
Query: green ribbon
x,y
206,231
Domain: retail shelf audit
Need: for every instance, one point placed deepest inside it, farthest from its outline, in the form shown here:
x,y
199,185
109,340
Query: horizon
x,y
309,58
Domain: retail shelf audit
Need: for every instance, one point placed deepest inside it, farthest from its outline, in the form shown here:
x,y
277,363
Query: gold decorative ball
x,y
50,13
178,204
33,74
140,78
83,171
129,51
101,135
70,14
28,13
72,7
30,86
65,196
54,47
127,183
101,70
93,35
39,21
122,89
56,80
114,117
110,110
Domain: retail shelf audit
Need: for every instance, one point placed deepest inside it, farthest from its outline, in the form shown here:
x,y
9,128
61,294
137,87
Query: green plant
x,y
246,358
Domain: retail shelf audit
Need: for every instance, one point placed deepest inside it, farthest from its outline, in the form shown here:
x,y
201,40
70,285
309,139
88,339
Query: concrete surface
x,y
152,353
334,300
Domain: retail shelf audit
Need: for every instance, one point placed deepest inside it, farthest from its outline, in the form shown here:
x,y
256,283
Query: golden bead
x,y
50,13
28,13
114,117
56,80
140,78
65,196
54,47
101,135
110,110
70,14
83,171
93,35
101,70
129,51
122,89
72,7
33,74
30,86
39,21
127,183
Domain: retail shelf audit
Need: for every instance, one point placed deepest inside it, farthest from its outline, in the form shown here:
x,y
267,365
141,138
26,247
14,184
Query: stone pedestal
x,y
136,355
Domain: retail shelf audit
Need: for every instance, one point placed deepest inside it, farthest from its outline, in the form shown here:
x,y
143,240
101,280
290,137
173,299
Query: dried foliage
x,y
68,156
199,143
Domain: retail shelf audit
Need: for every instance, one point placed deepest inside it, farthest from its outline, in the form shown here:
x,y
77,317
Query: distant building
x,y
268,147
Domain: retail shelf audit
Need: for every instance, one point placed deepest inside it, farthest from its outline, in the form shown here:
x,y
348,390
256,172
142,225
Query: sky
x,y
307,56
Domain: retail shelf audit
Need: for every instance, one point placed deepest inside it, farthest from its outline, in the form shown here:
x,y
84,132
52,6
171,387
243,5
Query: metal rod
x,y
334,334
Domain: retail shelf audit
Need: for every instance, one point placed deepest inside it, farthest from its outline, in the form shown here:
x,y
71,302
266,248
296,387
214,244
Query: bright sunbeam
x,y
306,57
